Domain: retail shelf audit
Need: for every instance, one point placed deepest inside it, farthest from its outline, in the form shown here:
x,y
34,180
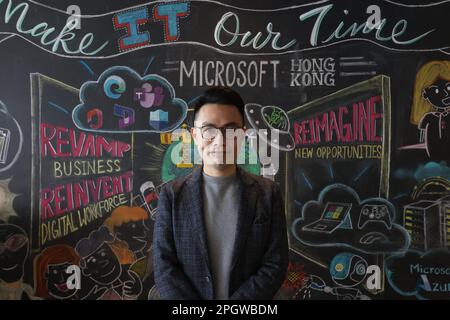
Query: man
x,y
220,232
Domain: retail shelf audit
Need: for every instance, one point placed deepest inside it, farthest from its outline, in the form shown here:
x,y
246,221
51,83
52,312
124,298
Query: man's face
x,y
214,145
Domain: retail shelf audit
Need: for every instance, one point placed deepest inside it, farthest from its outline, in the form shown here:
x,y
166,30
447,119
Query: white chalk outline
x,y
165,2
4,110
217,49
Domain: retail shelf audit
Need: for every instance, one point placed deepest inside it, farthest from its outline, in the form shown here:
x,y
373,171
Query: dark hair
x,y
220,95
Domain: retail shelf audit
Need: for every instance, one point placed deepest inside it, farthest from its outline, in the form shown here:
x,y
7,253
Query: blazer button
x,y
207,279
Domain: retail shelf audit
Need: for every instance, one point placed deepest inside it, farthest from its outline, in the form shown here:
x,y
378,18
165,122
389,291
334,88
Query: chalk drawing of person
x,y
130,225
14,245
50,274
104,261
134,227
431,108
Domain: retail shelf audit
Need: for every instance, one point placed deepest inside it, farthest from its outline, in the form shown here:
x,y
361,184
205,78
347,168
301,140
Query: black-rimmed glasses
x,y
210,132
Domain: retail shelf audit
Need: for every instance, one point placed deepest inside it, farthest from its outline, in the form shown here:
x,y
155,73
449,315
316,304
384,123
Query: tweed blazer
x,y
182,267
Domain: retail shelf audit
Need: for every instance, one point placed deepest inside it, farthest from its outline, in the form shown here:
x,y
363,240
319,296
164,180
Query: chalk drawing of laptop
x,y
332,216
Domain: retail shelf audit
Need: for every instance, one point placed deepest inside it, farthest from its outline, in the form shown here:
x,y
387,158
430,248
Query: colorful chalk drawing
x,y
6,200
431,108
273,37
102,259
339,218
348,273
361,109
118,89
422,275
15,247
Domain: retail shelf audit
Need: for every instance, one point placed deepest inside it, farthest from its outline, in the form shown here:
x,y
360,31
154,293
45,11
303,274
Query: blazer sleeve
x,y
171,282
268,279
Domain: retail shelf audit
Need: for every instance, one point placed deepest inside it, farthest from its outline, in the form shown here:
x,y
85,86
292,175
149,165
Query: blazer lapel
x,y
195,203
246,213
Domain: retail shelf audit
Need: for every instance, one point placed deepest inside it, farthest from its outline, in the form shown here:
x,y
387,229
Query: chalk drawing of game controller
x,y
376,214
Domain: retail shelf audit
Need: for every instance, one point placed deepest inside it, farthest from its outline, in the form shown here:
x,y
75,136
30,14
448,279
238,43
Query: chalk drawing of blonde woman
x,y
431,108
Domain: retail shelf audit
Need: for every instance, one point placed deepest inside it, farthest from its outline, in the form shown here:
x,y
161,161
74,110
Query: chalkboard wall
x,y
96,98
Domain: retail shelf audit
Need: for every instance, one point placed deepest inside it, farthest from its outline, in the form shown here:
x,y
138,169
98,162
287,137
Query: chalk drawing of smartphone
x,y
4,144
148,192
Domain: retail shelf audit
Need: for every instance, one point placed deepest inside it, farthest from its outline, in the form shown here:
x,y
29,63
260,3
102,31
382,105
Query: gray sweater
x,y
220,209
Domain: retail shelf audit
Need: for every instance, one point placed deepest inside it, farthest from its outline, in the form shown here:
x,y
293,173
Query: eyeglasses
x,y
13,243
210,132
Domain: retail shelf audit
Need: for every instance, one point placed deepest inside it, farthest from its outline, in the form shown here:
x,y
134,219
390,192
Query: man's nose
x,y
219,139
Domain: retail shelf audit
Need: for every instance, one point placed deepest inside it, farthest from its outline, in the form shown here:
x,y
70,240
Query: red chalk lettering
x,y
62,143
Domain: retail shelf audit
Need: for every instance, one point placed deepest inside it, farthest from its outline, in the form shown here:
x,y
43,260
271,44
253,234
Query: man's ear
x,y
194,135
